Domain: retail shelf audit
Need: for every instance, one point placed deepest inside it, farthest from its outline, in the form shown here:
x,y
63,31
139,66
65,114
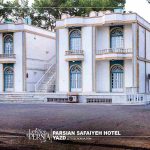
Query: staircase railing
x,y
51,65
51,83
52,60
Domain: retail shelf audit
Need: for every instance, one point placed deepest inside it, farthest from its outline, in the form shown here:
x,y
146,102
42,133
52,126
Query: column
x,y
57,60
63,64
94,58
1,65
1,78
135,50
18,66
87,64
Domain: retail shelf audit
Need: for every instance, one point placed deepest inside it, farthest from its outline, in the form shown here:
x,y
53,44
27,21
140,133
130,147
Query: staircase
x,y
47,81
21,97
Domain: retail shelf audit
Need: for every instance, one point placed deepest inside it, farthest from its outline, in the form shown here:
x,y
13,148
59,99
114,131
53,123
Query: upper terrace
x,y
18,27
101,18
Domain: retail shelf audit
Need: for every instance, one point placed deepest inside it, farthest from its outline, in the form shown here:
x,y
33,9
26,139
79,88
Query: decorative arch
x,y
75,78
117,78
117,68
75,40
8,44
8,78
75,67
116,37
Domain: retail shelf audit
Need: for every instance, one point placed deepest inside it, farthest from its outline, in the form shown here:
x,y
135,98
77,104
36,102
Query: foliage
x,y
45,12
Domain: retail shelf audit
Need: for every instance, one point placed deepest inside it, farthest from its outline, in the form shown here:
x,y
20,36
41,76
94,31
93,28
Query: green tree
x,y
47,11
12,10
21,9
5,10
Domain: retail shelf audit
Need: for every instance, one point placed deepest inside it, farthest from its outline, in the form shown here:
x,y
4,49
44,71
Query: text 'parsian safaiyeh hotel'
x,y
102,58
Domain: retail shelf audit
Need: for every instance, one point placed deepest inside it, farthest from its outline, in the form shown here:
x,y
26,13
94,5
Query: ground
x,y
133,122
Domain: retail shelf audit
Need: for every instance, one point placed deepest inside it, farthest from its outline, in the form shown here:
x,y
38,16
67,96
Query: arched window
x,y
8,44
75,40
117,78
8,79
116,38
75,78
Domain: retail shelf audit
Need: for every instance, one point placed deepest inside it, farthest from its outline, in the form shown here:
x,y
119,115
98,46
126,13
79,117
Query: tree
x,y
12,10
47,11
21,9
5,10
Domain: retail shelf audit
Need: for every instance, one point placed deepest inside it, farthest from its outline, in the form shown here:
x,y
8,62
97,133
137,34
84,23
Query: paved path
x,y
129,120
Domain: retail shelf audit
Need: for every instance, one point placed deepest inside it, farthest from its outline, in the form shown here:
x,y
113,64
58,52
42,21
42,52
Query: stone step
x,y
20,97
22,101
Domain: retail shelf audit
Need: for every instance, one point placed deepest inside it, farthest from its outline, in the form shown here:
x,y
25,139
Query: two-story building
x,y
25,51
104,57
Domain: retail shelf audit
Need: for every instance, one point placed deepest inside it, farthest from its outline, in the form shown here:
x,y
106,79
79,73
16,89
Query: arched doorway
x,y
117,78
75,78
8,79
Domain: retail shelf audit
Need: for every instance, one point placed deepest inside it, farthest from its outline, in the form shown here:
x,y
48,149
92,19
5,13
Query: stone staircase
x,y
47,81
33,98
22,97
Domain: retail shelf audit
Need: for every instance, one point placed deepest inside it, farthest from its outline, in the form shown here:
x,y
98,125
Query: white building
x,y
24,52
104,57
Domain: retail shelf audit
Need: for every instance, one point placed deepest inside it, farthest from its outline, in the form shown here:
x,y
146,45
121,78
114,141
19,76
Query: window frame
x,y
4,36
71,31
117,28
4,74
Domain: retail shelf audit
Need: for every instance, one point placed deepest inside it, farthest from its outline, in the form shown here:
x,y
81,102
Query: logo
x,y
39,135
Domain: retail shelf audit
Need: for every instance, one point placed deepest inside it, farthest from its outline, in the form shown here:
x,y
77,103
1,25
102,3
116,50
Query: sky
x,y
139,6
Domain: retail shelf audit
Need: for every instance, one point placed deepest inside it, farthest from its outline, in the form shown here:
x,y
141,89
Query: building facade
x,y
24,52
104,57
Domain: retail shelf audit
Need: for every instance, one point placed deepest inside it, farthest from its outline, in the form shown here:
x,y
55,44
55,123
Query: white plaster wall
x,y
128,70
1,66
18,67
147,45
37,74
1,78
141,42
128,36
147,72
87,63
110,18
63,65
39,50
142,77
25,27
147,57
102,76
39,47
1,43
102,38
